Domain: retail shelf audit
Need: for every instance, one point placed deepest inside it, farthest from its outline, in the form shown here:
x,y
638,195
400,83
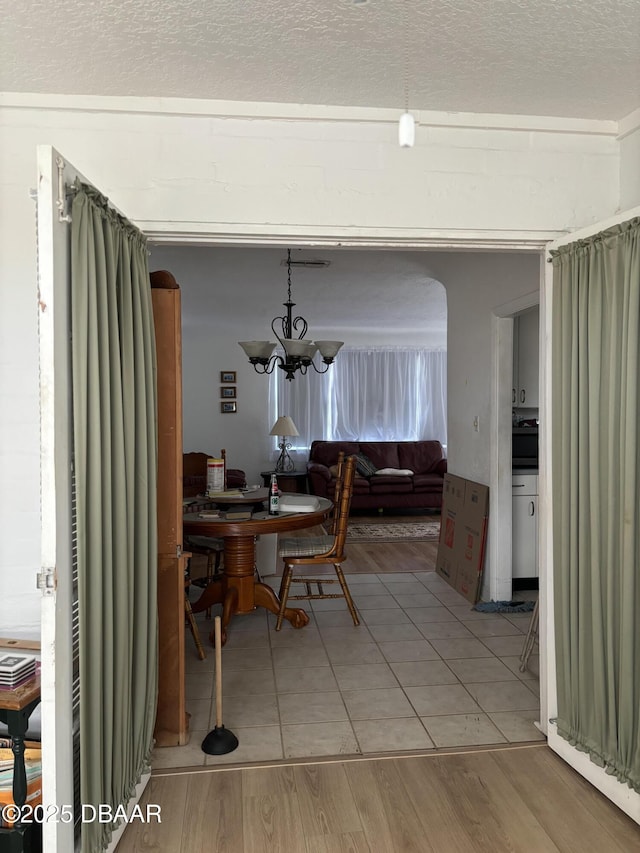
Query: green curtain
x,y
596,496
115,462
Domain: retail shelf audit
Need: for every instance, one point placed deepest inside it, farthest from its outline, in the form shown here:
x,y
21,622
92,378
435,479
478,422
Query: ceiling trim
x,y
210,234
252,110
629,124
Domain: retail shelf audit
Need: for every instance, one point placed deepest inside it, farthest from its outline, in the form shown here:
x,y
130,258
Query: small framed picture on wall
x,y
227,408
229,392
228,376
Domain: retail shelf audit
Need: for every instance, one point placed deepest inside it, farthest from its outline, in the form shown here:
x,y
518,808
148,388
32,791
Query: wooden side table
x,y
288,481
16,706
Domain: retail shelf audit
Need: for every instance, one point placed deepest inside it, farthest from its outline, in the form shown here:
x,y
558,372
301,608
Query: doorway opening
x,y
500,481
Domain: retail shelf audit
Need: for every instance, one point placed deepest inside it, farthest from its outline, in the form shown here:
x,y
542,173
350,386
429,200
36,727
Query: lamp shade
x,y
298,347
284,426
329,349
258,349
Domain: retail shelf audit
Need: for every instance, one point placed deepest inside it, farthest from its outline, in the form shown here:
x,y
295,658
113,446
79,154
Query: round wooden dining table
x,y
237,590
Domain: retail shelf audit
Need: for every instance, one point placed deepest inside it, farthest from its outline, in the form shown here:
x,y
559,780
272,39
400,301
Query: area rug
x,y
419,531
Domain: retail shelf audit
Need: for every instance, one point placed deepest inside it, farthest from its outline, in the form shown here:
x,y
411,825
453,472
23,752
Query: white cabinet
x,y
525,526
525,359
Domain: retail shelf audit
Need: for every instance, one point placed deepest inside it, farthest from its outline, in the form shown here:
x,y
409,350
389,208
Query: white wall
x,y
189,168
476,284
630,162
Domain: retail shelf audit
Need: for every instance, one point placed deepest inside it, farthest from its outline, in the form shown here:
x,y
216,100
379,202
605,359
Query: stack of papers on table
x,y
238,515
298,503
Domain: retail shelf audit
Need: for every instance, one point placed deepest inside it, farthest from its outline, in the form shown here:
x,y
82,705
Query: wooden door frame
x,y
172,720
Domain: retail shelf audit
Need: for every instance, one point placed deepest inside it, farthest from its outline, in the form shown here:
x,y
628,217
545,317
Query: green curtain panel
x,y
596,496
115,457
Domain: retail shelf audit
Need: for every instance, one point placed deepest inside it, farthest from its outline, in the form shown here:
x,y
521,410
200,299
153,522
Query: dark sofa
x,y
422,489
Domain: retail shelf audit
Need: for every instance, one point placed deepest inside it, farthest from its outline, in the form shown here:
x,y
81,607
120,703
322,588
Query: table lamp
x,y
283,428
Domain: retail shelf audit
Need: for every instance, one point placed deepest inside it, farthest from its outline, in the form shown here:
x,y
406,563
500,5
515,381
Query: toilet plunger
x,y
219,741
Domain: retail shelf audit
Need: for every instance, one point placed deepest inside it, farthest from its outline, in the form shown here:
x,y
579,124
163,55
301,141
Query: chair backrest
x,y
336,494
343,506
194,474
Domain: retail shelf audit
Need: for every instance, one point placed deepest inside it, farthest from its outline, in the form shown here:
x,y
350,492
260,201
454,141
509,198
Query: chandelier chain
x,y
289,274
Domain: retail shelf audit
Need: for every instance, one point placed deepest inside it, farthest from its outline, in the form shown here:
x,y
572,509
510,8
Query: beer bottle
x,y
274,496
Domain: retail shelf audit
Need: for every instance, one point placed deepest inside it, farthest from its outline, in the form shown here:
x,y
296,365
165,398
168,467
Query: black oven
x,y
524,447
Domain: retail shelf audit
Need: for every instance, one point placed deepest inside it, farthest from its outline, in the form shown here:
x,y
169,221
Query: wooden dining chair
x,y
211,548
298,553
191,619
194,474
194,483
330,525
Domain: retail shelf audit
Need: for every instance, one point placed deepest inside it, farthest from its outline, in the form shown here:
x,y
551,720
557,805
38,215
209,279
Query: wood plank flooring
x,y
506,800
375,557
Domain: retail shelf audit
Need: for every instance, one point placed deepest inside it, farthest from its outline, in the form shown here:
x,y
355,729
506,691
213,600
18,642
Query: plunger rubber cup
x,y
219,741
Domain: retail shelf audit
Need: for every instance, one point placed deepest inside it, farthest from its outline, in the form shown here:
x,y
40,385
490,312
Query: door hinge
x,y
46,581
179,551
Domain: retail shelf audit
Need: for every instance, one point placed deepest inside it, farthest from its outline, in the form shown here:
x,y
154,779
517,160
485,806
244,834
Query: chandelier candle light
x,y
298,352
283,428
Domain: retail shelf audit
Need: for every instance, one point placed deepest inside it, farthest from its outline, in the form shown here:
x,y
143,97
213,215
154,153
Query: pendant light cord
x,y
405,9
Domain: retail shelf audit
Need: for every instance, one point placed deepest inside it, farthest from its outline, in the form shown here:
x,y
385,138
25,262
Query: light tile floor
x,y
422,671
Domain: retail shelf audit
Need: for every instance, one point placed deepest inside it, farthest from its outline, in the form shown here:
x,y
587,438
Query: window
x,y
373,394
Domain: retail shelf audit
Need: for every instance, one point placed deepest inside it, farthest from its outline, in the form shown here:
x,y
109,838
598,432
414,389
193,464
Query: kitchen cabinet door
x,y
526,348
525,526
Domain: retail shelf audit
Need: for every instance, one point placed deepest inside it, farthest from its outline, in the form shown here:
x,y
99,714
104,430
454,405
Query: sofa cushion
x,y
394,472
390,485
364,465
421,456
383,454
360,486
427,483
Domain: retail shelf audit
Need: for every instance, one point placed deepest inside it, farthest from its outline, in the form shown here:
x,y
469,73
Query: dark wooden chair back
x,y
336,494
194,474
343,505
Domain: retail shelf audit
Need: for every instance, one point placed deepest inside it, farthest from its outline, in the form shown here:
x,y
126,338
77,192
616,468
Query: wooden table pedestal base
x,y
238,591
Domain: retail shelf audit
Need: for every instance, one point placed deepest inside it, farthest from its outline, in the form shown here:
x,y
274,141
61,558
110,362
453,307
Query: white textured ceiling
x,y
574,58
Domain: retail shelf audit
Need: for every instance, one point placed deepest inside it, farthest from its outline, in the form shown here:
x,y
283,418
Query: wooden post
x,y
172,722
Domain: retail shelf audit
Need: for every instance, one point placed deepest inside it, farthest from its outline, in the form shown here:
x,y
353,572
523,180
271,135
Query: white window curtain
x,y
372,394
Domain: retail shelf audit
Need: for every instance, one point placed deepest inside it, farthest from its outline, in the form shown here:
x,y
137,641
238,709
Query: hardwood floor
x,y
376,557
379,557
506,800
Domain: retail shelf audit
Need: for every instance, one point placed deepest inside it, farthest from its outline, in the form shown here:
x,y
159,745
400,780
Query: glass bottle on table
x,y
274,496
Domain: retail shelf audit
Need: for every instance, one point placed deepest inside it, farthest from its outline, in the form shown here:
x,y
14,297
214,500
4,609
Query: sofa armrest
x,y
441,468
319,470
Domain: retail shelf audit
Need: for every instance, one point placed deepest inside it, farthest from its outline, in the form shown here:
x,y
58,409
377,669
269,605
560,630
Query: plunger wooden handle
x,y
218,649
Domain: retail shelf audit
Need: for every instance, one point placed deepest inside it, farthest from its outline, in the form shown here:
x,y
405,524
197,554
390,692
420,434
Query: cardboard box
x,y
463,533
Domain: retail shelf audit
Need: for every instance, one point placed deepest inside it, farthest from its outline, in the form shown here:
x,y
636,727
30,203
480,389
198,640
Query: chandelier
x,y
298,352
